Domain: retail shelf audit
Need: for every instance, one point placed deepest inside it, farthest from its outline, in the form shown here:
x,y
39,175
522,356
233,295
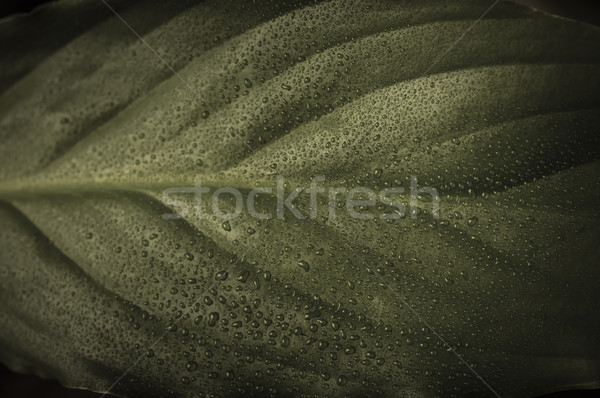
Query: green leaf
x,y
497,296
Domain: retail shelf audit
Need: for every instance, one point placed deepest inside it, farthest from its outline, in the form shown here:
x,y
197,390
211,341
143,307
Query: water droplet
x,y
304,265
221,275
226,226
191,366
213,317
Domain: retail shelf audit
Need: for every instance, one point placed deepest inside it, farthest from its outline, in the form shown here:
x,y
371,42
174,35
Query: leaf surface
x,y
497,296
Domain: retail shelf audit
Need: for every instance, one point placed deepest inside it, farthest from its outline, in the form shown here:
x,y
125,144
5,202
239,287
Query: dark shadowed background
x,y
13,385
